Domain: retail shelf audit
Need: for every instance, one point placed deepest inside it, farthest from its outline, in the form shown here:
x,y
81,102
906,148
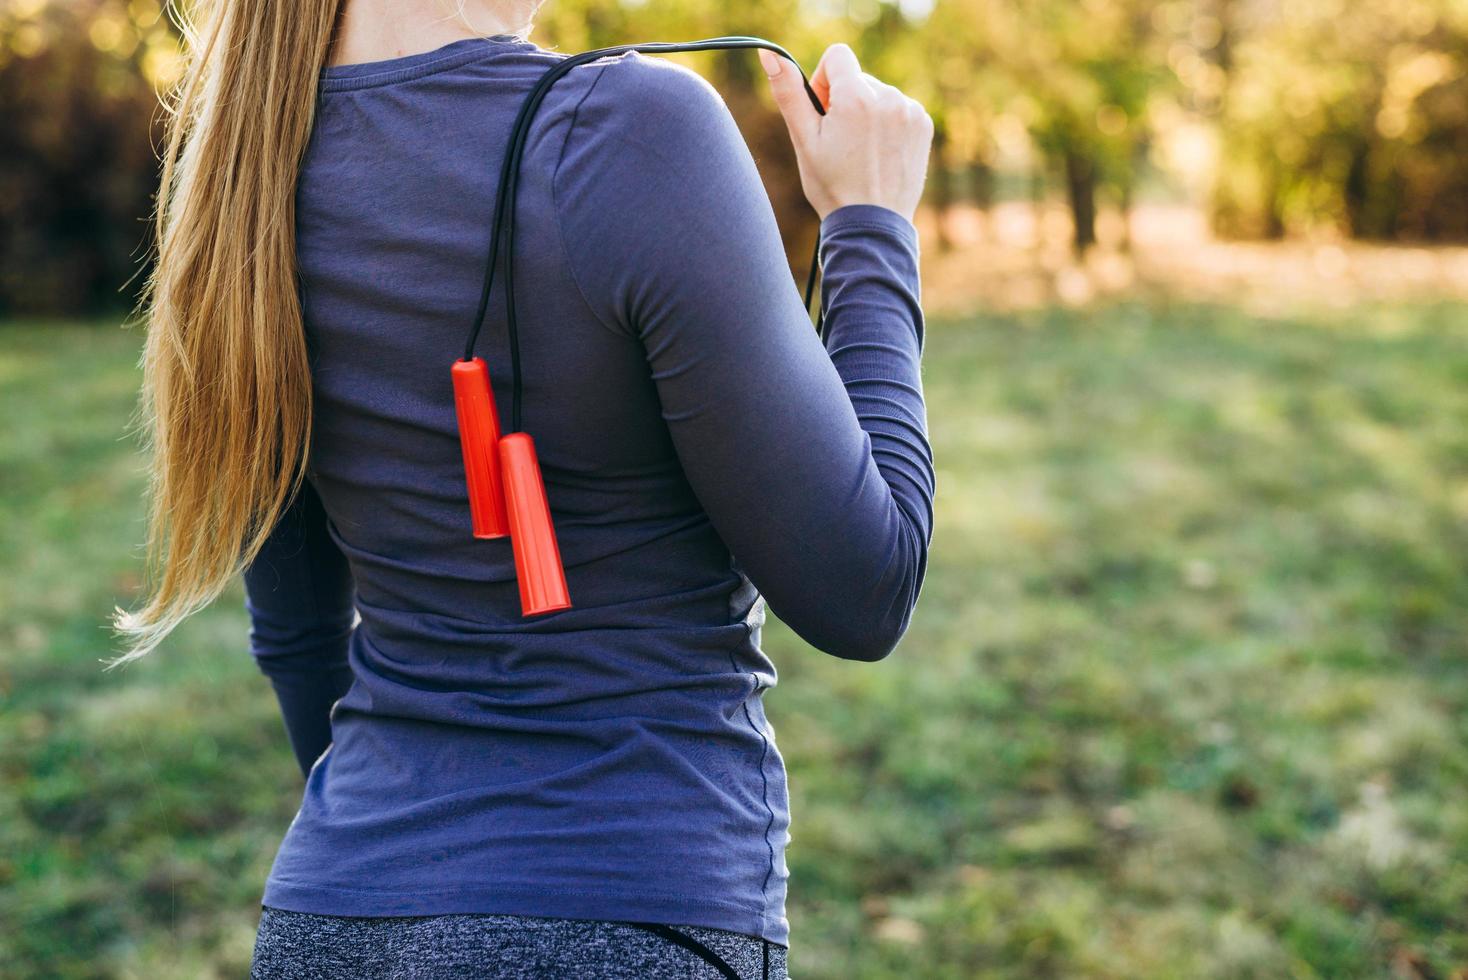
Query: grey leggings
x,y
302,946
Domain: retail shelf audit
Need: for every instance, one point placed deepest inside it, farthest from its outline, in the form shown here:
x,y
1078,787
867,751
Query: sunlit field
x,y
1018,255
1186,694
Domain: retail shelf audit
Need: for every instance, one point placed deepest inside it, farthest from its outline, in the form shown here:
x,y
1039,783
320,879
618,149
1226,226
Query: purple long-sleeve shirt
x,y
704,453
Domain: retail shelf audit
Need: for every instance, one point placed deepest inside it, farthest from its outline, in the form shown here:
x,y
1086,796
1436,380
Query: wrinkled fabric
x,y
704,454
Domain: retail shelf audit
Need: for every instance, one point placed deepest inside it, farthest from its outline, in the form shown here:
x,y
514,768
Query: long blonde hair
x,y
226,402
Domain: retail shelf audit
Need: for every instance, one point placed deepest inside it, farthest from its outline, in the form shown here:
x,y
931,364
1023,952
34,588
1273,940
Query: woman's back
x,y
611,761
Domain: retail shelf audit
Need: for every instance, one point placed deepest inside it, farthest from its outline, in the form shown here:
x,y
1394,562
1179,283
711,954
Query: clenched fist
x,y
871,146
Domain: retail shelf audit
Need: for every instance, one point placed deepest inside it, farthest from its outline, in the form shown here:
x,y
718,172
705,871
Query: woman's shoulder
x,y
642,97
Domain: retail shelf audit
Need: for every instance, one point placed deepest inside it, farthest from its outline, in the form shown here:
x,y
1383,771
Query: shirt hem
x,y
553,903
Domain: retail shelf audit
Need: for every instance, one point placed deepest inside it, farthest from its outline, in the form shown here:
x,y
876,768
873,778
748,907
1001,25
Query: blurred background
x,y
1186,693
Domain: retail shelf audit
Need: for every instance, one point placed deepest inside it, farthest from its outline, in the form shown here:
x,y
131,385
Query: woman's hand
x,y
871,146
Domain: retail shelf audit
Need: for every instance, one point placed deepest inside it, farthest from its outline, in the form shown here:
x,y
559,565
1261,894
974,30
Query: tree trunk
x,y
1039,191
1129,190
1274,226
1356,190
981,181
1080,186
942,185
1126,204
981,192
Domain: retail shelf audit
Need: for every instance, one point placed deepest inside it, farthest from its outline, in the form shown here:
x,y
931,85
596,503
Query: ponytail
x,y
226,402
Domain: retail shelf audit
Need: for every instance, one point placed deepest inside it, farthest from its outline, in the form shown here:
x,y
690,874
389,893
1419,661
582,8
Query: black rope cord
x,y
693,946
503,227
503,230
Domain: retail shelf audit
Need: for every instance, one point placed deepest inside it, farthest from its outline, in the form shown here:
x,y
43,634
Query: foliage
x,y
1352,114
76,162
1184,695
1335,114
1078,77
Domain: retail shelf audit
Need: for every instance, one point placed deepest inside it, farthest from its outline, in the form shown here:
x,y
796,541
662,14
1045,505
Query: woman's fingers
x,y
872,145
838,72
788,90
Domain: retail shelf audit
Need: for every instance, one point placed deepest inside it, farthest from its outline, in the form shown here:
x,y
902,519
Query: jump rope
x,y
506,489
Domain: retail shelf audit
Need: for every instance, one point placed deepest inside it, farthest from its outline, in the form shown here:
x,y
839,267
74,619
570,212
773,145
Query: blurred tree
x,y
1356,119
1352,115
935,54
76,162
1077,76
1089,69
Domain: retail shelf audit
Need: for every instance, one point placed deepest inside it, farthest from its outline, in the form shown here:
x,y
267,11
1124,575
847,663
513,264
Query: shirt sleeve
x,y
298,592
812,462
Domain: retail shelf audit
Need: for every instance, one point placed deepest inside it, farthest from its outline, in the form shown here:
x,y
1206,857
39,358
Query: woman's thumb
x,y
789,91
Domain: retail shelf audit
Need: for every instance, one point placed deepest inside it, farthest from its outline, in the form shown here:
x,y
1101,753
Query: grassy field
x,y
1186,695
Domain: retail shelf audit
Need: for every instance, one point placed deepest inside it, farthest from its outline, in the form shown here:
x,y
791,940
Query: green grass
x,y
1186,695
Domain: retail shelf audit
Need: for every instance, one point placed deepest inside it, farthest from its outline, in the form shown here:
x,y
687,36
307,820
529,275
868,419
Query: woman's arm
x,y
812,462
299,595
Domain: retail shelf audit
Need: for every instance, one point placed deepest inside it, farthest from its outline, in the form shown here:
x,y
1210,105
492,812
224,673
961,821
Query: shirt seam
x,y
764,778
560,224
764,755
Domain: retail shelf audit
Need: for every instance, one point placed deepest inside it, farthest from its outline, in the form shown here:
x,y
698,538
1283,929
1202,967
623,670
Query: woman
x,y
596,792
